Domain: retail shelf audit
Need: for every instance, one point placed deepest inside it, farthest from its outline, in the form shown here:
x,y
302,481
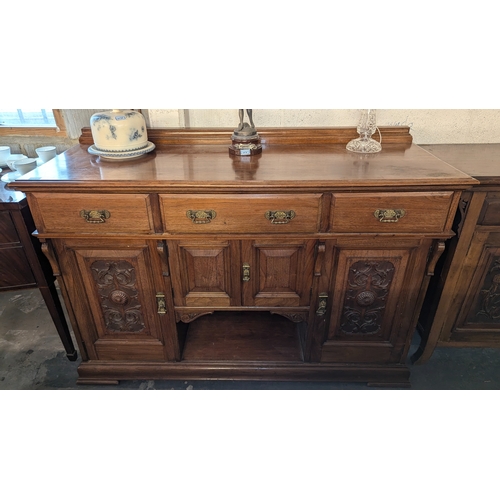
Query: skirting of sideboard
x,y
95,372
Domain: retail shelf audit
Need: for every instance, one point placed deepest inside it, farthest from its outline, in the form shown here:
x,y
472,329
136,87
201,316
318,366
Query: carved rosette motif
x,y
490,296
365,299
116,285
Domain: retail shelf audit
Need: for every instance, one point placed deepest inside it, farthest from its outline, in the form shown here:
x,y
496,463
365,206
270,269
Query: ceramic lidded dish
x,y
119,134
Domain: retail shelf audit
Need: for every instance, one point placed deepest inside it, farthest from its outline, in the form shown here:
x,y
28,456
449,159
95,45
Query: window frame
x,y
58,131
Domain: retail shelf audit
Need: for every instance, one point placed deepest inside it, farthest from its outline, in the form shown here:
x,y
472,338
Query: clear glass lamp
x,y
366,128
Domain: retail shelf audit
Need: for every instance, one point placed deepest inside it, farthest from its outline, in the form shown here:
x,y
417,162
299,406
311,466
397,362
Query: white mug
x,y
24,166
46,153
4,153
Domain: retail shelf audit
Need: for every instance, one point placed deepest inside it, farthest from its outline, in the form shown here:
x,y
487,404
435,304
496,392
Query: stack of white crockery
x,y
4,156
119,134
20,164
8,160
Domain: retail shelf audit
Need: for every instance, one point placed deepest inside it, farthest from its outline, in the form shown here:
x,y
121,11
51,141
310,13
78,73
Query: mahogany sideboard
x,y
306,262
22,263
462,307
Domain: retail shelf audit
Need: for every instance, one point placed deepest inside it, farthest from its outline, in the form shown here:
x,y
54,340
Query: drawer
x,y
241,213
8,232
390,212
15,270
490,214
92,213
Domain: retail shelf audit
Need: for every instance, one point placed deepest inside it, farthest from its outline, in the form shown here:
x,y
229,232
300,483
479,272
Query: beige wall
x,y
428,126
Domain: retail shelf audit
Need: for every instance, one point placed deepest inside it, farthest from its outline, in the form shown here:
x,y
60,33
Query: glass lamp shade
x,y
366,128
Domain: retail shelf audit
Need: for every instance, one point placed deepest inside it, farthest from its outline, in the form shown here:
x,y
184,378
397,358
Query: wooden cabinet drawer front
x,y
390,212
241,213
127,213
8,232
490,214
15,270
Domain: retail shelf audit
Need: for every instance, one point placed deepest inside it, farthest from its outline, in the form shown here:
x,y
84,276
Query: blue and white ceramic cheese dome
x,y
119,134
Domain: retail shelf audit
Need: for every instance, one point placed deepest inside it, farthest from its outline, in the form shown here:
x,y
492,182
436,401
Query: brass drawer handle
x,y
95,216
389,215
280,216
201,216
246,272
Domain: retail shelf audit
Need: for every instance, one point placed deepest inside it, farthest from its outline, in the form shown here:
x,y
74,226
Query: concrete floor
x,y
32,357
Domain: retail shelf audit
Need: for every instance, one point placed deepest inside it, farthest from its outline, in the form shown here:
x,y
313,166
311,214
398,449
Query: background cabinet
x,y
22,262
462,306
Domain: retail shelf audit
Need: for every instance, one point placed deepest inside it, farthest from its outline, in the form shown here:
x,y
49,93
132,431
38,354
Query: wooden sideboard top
x,y
481,161
318,162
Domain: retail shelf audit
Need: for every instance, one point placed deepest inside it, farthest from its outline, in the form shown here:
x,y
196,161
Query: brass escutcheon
x,y
389,214
246,272
201,216
161,304
279,216
323,297
95,216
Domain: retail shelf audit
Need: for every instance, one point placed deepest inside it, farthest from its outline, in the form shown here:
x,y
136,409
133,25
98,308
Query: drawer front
x,y
390,212
15,270
8,232
490,214
241,213
93,213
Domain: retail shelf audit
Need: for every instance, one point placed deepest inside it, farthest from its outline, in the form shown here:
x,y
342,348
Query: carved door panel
x,y
277,273
202,274
479,317
373,302
118,298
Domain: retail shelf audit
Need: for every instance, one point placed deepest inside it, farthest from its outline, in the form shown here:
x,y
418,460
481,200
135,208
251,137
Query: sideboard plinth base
x,y
383,376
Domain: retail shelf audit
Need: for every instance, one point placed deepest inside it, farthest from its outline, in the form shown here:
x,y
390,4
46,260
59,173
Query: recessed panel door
x,y
202,273
479,316
277,273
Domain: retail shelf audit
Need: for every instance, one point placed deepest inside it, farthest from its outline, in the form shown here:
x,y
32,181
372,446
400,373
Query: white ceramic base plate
x,y
11,176
121,155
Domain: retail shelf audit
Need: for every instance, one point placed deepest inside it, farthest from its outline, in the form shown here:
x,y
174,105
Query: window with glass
x,y
27,118
31,122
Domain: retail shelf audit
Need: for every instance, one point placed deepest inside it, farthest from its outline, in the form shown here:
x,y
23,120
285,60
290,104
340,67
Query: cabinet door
x,y
253,273
277,273
373,301
113,289
479,314
203,274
